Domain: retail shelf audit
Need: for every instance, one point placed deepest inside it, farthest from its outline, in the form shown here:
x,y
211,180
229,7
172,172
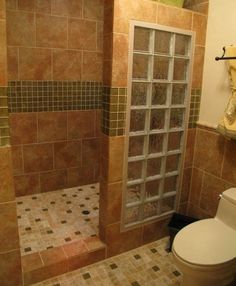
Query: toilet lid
x,y
206,242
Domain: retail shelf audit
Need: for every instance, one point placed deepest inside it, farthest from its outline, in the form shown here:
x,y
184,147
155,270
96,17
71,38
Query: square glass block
x,y
161,68
154,166
141,39
176,117
152,188
136,144
157,120
137,120
174,141
150,209
156,143
162,42
172,163
135,170
170,184
178,94
182,45
133,193
159,93
131,214
180,69
167,204
140,66
139,93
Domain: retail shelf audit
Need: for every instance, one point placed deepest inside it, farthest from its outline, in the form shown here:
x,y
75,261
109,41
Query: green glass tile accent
x,y
114,109
194,107
36,96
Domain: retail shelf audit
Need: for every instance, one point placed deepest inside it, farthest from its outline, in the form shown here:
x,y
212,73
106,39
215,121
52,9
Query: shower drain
x,y
85,212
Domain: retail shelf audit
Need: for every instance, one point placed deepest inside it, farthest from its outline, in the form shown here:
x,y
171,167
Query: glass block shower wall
x,y
158,101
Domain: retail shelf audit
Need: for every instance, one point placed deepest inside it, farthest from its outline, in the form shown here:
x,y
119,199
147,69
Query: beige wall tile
x,y
67,65
35,64
82,34
51,31
92,66
6,187
93,9
174,17
199,26
12,63
10,268
20,28
2,9
71,8
3,54
9,236
198,63
17,160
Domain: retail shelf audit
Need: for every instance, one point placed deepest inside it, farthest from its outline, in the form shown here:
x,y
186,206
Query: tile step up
x,y
48,263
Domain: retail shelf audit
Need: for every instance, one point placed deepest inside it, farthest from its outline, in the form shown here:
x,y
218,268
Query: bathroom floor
x,y
148,265
55,218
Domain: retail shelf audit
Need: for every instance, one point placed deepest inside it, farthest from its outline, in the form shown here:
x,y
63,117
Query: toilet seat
x,y
205,243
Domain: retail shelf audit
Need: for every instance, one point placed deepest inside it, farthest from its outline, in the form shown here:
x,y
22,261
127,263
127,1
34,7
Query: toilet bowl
x,y
205,251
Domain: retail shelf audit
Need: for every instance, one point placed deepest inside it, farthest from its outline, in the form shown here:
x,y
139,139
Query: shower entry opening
x,y
160,61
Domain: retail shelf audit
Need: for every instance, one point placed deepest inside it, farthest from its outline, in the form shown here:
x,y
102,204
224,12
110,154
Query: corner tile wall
x,y
55,86
213,171
10,261
117,15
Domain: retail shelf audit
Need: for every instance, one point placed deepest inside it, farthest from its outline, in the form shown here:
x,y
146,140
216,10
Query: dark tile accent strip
x,y
37,96
114,110
194,107
4,122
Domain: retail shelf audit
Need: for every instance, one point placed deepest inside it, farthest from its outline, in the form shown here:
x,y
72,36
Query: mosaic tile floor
x,y
55,218
149,265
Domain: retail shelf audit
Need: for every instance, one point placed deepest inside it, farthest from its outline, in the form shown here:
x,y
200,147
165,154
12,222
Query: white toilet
x,y
205,251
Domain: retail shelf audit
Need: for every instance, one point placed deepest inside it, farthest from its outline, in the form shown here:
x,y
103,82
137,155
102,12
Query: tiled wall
x,y
55,40
10,262
54,72
197,5
54,150
213,171
117,14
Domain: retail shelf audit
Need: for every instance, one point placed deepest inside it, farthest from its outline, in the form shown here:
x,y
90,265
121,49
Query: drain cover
x,y
85,212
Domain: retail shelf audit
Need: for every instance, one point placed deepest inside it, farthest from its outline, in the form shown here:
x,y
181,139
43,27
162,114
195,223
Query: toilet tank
x,y
226,211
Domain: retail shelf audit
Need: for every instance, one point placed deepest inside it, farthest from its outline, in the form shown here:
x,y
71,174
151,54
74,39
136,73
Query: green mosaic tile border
x,y
36,96
4,122
194,107
114,111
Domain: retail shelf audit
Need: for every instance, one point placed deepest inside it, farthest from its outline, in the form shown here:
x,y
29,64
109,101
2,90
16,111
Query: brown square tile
x,y
12,63
52,126
26,184
23,128
6,187
27,5
155,231
82,34
75,248
53,37
2,9
31,262
209,150
43,6
199,26
174,17
17,160
52,181
90,152
81,124
93,9
38,157
196,186
20,28
198,67
93,243
10,265
92,66
186,185
8,227
212,187
229,165
35,64
3,54
52,256
189,151
64,71
80,176
71,8
67,154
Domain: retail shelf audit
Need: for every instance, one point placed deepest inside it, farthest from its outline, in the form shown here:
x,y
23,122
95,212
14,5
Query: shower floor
x,y
52,219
